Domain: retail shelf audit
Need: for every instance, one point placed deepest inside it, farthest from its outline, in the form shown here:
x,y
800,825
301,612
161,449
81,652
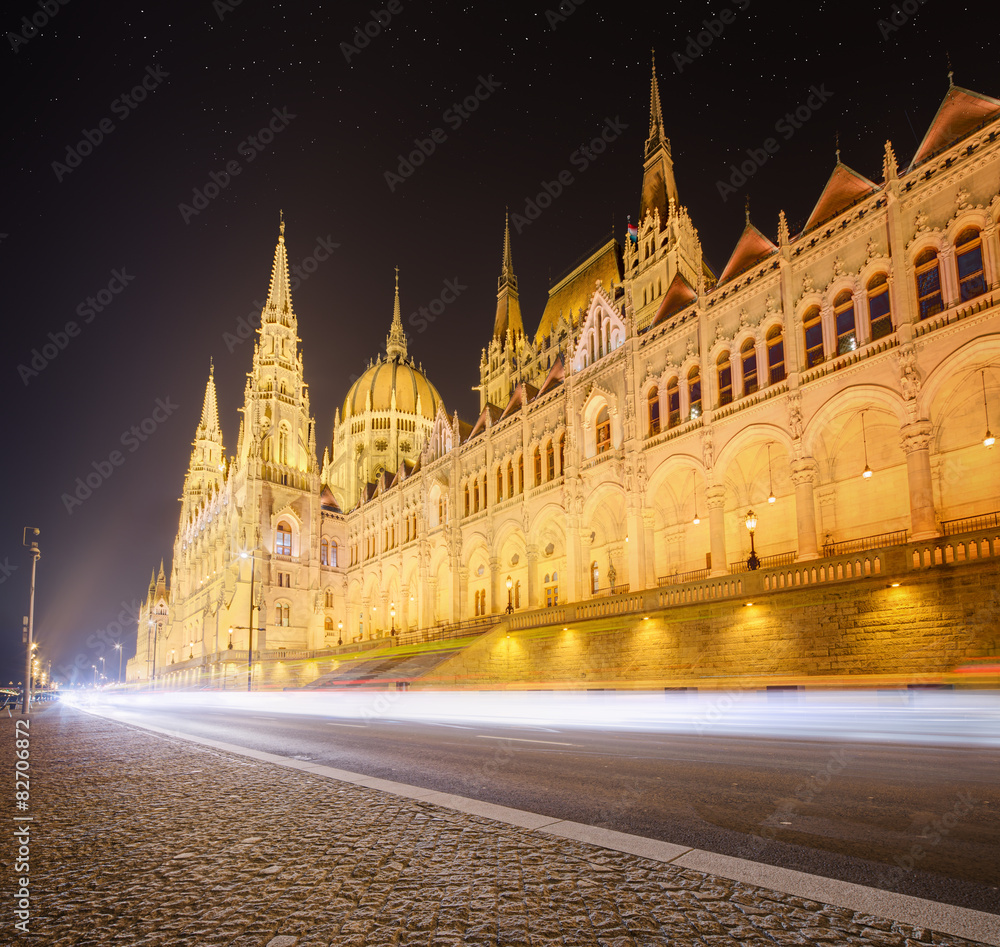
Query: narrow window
x,y
748,359
653,403
595,577
775,356
694,392
673,403
724,368
928,283
510,478
603,431
538,466
499,483
879,317
520,473
843,314
562,453
283,546
971,279
812,321
550,461
324,552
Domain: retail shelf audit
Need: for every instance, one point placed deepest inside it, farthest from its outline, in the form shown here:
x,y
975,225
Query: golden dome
x,y
384,377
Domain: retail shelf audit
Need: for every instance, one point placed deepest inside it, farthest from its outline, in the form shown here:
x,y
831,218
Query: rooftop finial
x,y
951,73
281,225
746,209
395,343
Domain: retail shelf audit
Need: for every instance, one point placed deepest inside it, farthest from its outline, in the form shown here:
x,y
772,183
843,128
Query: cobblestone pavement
x,y
141,840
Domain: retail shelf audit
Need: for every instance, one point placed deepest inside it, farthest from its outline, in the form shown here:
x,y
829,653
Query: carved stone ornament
x,y
920,221
795,422
909,376
807,284
708,449
872,249
838,267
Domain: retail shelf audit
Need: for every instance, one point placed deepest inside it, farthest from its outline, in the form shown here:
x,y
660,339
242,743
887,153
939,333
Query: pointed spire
x,y
658,185
782,229
208,429
890,168
395,343
508,315
279,293
656,135
161,583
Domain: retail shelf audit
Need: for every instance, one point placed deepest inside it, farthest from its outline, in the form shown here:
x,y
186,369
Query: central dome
x,y
382,379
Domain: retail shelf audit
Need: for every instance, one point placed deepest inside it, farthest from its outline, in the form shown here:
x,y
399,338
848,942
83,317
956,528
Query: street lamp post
x,y
340,632
94,669
118,648
753,562
35,554
510,600
392,615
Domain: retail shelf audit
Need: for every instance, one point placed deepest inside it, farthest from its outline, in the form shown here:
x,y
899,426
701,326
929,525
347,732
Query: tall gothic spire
x,y
656,135
279,293
208,429
508,315
395,343
658,185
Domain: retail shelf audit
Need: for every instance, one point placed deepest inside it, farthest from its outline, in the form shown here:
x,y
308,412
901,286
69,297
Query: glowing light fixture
x,y
867,472
510,601
770,484
694,493
753,562
989,440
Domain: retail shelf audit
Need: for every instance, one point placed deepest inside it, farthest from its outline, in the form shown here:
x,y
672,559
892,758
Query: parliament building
x,y
840,382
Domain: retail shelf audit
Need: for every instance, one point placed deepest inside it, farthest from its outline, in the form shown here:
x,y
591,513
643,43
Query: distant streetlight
x,y
340,632
93,667
35,555
392,615
118,648
752,561
510,596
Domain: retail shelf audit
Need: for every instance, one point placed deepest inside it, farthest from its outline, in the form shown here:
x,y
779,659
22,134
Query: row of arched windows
x,y
328,552
968,269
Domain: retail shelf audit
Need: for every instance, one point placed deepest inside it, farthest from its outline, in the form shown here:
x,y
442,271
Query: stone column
x,y
716,496
916,446
574,564
649,546
495,606
531,554
804,476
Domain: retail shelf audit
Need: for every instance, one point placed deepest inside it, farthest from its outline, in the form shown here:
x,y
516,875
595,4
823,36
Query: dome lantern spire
x,y
395,343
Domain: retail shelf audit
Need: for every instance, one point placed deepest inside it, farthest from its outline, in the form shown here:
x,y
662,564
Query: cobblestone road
x,y
143,841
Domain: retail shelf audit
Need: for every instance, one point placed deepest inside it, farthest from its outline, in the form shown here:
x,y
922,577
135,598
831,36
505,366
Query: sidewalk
x,y
141,840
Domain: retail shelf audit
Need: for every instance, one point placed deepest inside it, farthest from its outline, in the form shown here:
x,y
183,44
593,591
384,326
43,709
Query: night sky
x,y
76,219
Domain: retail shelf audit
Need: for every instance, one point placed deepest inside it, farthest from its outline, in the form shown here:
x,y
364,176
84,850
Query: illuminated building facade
x,y
838,381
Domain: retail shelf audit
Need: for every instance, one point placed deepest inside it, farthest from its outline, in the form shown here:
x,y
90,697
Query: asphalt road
x,y
920,820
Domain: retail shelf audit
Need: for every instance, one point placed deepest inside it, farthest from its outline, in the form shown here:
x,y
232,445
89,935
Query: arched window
x,y
748,360
928,283
550,461
466,499
562,453
812,322
847,330
595,577
510,478
520,473
517,594
538,466
775,356
499,483
969,255
879,317
327,624
673,403
694,392
442,510
485,504
724,370
283,543
283,615
475,497
328,598
324,552
333,552
603,430
653,404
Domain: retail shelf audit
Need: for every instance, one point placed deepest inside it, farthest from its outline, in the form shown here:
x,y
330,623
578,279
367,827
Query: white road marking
x,y
483,736
330,723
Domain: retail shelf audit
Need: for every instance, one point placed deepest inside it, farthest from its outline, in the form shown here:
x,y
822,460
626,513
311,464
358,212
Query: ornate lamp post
x,y
253,562
510,599
392,615
118,648
753,562
340,632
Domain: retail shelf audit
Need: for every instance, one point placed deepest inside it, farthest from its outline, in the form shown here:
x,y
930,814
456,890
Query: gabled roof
x,y
554,378
844,188
327,500
751,248
961,112
679,295
522,394
494,414
574,291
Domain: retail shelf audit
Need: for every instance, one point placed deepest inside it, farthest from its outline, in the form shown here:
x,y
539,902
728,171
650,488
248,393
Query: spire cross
x,y
281,225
